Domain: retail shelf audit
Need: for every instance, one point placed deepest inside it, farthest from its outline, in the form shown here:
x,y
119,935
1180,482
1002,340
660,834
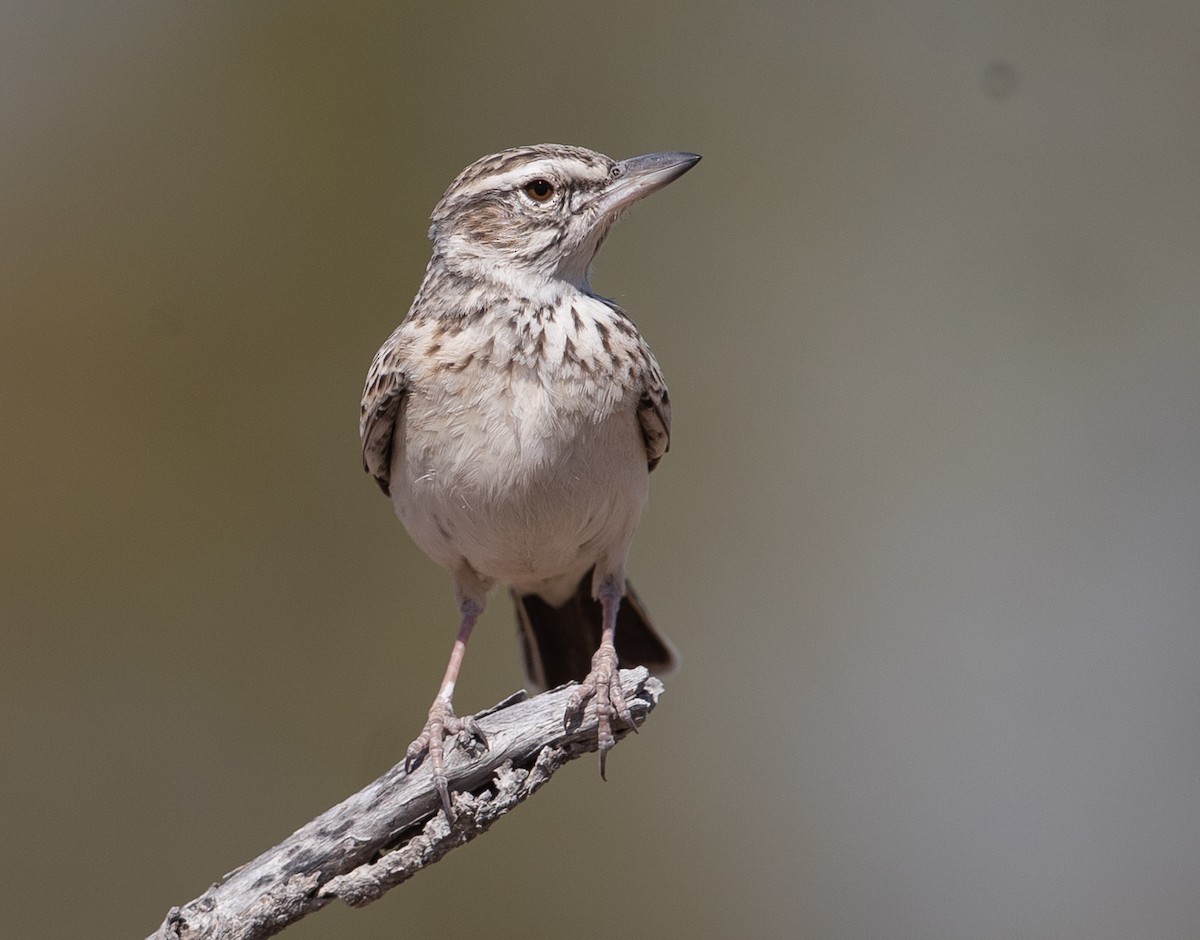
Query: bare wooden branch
x,y
394,827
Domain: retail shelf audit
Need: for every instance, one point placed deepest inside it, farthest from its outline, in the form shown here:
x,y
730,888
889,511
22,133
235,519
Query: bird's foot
x,y
442,724
604,684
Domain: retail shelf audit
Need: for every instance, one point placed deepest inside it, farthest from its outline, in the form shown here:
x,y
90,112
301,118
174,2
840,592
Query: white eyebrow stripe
x,y
510,179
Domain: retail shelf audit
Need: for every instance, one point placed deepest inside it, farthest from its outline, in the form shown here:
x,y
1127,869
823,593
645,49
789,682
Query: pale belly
x,y
533,501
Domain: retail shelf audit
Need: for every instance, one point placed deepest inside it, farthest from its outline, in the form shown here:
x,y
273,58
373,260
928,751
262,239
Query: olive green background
x,y
928,537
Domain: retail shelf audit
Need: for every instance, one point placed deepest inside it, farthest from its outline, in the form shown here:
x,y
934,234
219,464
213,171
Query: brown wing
x,y
654,413
382,399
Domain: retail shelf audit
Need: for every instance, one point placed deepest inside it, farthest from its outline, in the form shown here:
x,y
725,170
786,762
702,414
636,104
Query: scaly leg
x,y
604,681
442,721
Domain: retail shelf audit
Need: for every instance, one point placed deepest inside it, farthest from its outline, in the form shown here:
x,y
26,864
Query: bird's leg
x,y
604,681
442,721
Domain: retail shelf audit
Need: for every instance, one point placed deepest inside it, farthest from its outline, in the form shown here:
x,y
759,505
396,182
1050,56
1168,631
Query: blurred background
x,y
928,537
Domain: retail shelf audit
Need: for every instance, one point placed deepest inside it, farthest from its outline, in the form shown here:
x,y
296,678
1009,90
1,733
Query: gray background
x,y
928,537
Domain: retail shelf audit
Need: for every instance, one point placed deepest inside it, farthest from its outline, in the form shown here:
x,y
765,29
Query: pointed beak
x,y
640,176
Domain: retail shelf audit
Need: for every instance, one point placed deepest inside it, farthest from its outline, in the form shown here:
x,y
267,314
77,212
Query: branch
x,y
394,827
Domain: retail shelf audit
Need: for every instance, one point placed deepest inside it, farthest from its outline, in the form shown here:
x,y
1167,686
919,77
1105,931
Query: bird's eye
x,y
539,190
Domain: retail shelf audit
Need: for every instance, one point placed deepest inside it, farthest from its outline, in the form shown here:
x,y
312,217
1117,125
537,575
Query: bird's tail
x,y
558,642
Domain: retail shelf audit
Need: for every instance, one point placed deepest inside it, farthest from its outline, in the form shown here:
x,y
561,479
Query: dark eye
x,y
539,190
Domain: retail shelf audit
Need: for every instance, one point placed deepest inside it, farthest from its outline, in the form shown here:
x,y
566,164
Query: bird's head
x,y
542,212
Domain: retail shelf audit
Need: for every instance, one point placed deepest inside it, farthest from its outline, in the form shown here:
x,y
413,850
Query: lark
x,y
514,418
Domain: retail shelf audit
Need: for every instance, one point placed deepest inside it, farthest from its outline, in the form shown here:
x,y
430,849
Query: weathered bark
x,y
394,827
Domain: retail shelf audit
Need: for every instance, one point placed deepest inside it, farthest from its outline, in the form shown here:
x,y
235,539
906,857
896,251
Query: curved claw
x,y
443,788
443,724
603,684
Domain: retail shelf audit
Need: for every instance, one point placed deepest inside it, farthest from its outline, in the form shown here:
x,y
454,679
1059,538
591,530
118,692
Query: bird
x,y
513,418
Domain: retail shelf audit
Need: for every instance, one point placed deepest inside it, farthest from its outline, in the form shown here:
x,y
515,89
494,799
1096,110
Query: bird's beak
x,y
640,176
